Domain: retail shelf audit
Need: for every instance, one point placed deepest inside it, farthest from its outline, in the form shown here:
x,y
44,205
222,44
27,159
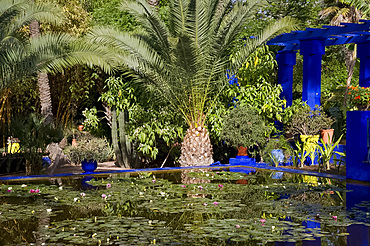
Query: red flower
x,y
358,97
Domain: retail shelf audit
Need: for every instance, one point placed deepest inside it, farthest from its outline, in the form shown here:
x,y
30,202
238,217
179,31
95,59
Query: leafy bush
x,y
307,121
244,127
89,148
280,143
34,137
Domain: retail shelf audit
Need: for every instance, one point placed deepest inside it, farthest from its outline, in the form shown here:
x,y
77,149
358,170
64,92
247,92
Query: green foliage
x,y
76,21
89,148
34,136
106,12
327,151
279,143
260,66
265,98
244,127
120,93
150,126
307,121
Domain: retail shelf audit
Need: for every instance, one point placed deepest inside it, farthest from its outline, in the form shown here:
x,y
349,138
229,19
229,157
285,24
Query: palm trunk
x,y
196,148
350,64
42,81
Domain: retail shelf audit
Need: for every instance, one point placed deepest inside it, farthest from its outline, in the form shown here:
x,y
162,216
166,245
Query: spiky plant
x,y
185,61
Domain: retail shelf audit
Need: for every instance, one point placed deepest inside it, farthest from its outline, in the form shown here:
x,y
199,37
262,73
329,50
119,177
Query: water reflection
x,y
195,208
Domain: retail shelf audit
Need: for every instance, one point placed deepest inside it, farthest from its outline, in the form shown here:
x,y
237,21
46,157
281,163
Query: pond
x,y
193,207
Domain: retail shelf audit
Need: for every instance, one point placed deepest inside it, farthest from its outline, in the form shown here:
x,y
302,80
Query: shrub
x,y
244,127
89,148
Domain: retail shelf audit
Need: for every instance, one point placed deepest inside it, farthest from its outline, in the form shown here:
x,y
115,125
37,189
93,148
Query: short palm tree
x,y
185,61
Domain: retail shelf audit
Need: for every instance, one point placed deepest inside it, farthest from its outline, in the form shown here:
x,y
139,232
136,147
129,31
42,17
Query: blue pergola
x,y
311,43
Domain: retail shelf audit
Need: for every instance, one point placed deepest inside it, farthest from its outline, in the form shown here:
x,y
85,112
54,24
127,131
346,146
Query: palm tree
x,y
345,11
185,62
20,57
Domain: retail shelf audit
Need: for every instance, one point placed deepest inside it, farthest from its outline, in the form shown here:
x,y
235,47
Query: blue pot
x,y
89,166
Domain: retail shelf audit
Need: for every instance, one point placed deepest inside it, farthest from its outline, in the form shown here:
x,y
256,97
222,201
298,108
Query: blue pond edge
x,y
236,165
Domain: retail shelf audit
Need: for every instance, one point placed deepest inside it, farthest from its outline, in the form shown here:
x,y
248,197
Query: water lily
x,y
24,185
83,194
49,210
263,221
104,196
215,203
205,204
335,217
200,187
32,191
109,185
237,226
60,187
220,186
183,186
75,199
153,181
37,191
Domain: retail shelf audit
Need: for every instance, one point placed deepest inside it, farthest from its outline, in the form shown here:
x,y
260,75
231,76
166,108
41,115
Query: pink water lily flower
x,y
83,194
109,185
200,187
237,226
104,196
215,203
37,191
220,186
263,221
153,181
183,186
32,191
205,204
335,218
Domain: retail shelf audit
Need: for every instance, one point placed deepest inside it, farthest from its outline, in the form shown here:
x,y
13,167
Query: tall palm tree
x,y
185,62
20,58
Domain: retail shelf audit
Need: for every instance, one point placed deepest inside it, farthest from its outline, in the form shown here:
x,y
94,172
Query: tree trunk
x,y
350,64
196,148
42,81
153,2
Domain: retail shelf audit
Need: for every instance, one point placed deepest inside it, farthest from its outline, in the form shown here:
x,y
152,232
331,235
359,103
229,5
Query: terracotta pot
x,y
80,127
327,135
242,151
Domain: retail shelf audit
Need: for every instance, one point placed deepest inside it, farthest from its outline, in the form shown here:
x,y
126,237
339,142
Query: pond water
x,y
202,207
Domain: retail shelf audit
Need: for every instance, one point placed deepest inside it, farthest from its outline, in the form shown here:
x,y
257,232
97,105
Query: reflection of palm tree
x,y
342,11
185,62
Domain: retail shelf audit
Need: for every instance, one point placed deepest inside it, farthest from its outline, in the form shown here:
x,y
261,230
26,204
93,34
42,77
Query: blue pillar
x,y
358,145
312,51
363,52
286,60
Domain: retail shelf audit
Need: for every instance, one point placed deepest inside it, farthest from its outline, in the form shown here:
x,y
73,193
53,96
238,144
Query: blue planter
x,y
89,166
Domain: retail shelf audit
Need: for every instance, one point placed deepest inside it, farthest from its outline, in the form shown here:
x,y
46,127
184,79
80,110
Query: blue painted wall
x,y
356,146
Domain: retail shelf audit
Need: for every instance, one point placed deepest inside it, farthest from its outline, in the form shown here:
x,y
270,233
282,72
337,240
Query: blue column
x,y
312,51
363,52
286,60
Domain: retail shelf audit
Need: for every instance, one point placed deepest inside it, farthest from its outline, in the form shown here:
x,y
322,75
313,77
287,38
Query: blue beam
x,y
312,33
312,51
